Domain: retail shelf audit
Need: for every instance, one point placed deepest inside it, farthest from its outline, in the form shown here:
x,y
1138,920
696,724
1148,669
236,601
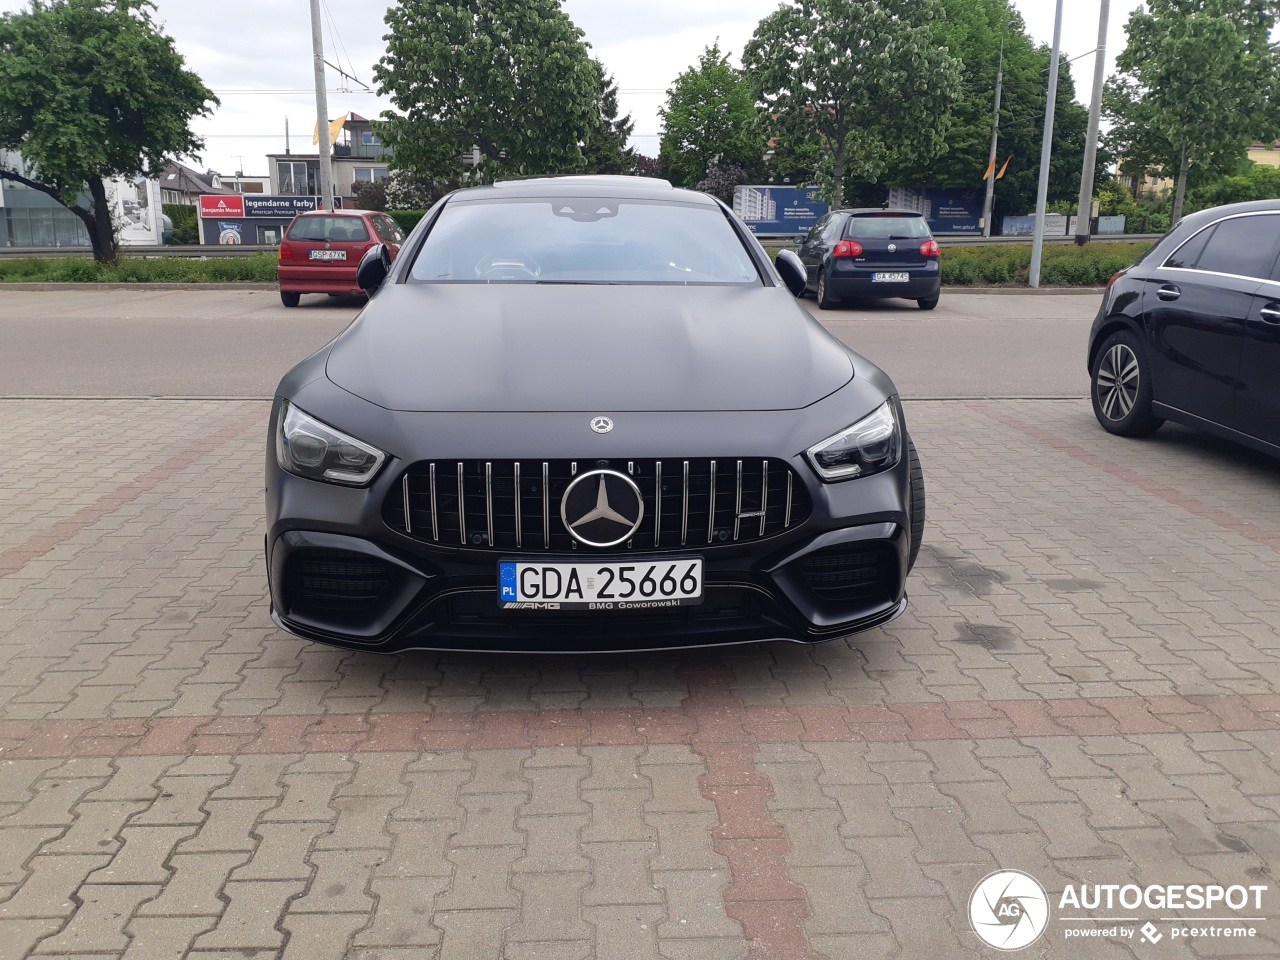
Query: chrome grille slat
x,y
490,511
488,499
764,495
657,498
518,494
711,509
546,509
462,507
684,528
737,510
435,524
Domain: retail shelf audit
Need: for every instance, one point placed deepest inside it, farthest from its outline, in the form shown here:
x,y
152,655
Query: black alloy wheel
x,y
1121,387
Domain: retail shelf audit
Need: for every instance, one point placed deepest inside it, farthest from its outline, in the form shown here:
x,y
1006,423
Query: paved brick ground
x,y
1086,688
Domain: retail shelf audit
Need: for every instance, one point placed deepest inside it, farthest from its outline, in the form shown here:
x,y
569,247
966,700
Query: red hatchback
x,y
321,251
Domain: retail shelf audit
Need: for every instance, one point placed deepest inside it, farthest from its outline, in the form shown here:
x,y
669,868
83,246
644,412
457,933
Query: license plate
x,y
643,585
890,277
327,254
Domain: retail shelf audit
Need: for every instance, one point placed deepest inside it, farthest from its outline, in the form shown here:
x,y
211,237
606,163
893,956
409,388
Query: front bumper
x,y
418,595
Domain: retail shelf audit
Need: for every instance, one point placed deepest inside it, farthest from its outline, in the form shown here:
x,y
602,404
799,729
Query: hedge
x,y
260,266
408,219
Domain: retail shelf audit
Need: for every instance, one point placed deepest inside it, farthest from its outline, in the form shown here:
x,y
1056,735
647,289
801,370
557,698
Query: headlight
x,y
871,445
309,448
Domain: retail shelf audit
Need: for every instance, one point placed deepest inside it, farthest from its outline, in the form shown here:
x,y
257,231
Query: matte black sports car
x,y
586,414
1191,333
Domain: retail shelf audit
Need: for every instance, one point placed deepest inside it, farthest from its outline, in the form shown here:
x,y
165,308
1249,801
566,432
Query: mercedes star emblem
x,y
602,508
601,424
893,248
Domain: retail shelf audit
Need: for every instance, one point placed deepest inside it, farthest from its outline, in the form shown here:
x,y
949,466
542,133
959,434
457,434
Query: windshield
x,y
887,228
583,240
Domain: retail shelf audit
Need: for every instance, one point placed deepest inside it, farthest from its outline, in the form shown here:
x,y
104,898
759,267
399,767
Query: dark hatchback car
x,y
1191,333
872,253
321,250
586,414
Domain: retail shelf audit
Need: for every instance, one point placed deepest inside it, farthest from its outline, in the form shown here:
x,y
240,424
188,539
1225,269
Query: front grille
x,y
851,573
515,504
336,581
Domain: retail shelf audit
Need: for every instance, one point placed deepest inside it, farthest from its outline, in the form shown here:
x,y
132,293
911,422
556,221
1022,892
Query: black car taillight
x,y
930,249
847,248
1114,278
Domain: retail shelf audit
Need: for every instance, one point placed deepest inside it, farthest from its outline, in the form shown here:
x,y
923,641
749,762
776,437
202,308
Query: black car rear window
x,y
583,240
334,229
887,228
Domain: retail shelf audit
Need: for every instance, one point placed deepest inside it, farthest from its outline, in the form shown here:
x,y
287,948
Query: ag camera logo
x,y
1008,910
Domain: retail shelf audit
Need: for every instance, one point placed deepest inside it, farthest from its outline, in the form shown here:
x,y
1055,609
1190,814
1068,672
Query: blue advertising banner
x,y
954,211
948,210
277,206
770,210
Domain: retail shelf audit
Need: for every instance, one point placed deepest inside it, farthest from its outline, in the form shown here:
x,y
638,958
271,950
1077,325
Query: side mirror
x,y
374,267
792,272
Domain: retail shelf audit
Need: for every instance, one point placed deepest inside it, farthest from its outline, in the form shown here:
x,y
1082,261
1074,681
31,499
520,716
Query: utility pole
x,y
1046,150
988,206
322,109
1085,207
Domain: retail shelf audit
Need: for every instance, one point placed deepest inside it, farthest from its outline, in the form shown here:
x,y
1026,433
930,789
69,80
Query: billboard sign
x,y
947,210
1055,225
772,211
279,207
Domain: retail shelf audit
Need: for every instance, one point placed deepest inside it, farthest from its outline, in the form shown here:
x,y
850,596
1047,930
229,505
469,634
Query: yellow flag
x,y
991,168
1004,168
335,128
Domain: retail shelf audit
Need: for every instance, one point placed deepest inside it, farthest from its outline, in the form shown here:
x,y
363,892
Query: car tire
x,y
927,303
1120,387
918,508
825,300
290,299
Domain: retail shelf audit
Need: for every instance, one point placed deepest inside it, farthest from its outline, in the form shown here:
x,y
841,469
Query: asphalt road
x,y
237,343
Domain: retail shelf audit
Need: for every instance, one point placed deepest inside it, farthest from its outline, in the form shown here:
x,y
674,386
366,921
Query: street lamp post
x,y
1046,150
1085,206
987,206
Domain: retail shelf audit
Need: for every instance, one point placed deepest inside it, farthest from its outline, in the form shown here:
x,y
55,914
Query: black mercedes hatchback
x,y
586,414
872,253
1191,333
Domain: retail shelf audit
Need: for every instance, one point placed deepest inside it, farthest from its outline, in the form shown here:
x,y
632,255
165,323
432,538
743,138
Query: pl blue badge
x,y
1008,910
228,232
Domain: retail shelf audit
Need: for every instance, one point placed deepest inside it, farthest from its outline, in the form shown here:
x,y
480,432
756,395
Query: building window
x,y
369,138
294,179
370,174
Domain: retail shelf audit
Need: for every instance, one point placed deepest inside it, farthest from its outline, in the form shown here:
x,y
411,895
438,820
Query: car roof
x,y
612,187
342,212
880,212
1198,219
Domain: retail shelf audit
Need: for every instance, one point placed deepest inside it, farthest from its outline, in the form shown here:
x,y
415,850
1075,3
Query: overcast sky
x,y
256,55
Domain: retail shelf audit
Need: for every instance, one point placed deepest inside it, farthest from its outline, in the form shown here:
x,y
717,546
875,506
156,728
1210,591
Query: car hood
x,y
594,348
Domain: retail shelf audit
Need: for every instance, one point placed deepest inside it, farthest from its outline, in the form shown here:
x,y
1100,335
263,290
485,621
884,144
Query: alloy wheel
x,y
1117,382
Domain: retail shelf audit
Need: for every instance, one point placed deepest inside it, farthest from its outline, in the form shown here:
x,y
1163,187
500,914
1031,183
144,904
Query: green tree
x,y
1196,84
1256,182
91,90
710,117
866,82
605,149
972,30
512,78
